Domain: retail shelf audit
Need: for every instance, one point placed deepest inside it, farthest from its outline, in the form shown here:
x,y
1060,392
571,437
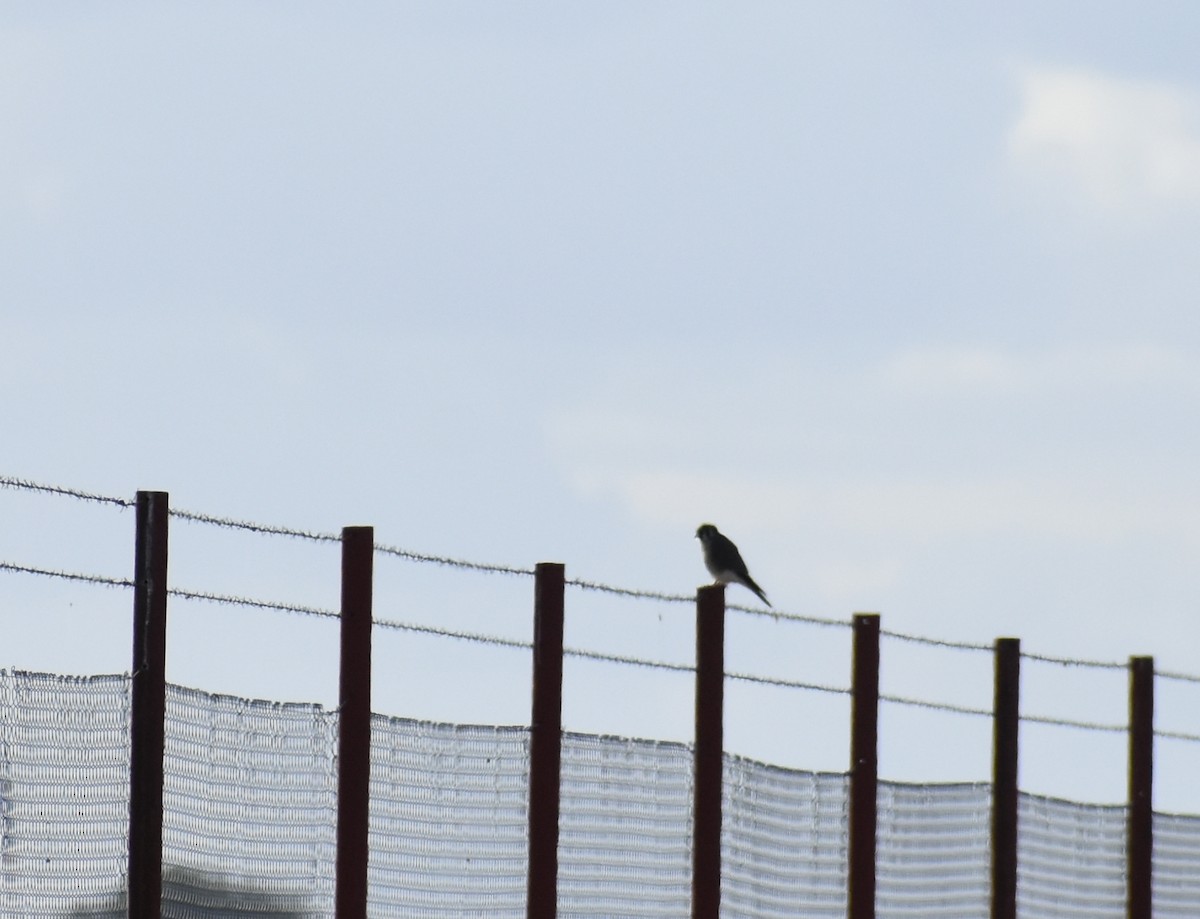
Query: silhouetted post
x,y
354,723
864,766
545,741
1140,824
148,702
708,753
1006,714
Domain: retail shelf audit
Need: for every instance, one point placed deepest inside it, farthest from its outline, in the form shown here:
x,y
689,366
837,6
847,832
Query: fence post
x,y
354,723
864,766
1006,715
545,741
1140,822
148,704
708,753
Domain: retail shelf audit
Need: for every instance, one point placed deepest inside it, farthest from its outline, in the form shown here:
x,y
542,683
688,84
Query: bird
x,y
724,562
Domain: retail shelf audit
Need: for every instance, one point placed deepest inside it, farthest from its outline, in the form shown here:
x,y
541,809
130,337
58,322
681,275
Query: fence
x,y
262,809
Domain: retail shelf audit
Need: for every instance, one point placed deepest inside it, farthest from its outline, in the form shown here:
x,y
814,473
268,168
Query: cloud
x,y
1074,442
1080,508
1087,370
1118,147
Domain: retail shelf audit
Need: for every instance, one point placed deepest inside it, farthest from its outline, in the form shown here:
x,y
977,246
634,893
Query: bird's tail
x,y
758,590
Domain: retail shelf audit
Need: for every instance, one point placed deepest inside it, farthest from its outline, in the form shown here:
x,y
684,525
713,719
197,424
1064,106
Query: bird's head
x,y
705,532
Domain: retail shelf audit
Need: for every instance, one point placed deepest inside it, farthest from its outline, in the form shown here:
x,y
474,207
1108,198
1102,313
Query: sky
x,y
899,297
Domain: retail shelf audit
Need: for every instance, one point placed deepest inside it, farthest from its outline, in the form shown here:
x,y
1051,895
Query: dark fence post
x,y
1140,822
864,766
354,723
1006,715
148,703
545,741
708,761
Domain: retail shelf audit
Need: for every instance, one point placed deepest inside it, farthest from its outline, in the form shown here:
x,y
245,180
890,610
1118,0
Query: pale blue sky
x,y
901,298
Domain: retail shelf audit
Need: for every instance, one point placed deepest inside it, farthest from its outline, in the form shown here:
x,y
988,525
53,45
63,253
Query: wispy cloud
x,y
1120,147
1094,369
1076,507
981,441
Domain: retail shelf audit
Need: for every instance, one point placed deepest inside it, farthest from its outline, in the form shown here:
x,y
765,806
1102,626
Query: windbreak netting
x,y
1070,859
449,807
783,846
624,828
250,815
932,855
249,807
64,794
1176,866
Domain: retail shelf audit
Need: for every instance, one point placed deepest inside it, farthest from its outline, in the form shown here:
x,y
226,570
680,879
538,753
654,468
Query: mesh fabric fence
x,y
250,810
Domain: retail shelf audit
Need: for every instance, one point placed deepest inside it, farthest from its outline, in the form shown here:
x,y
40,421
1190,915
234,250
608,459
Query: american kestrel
x,y
724,562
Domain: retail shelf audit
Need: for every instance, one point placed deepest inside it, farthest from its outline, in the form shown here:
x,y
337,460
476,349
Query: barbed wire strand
x,y
16,483
1178,735
935,642
317,536
275,605
26,485
1075,662
495,640
265,529
1175,675
987,713
66,575
1070,723
789,684
446,560
672,667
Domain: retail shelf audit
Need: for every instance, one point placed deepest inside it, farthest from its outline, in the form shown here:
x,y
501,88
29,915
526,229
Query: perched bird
x,y
724,562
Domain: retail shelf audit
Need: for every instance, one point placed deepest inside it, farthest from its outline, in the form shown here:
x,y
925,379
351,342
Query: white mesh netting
x,y
250,805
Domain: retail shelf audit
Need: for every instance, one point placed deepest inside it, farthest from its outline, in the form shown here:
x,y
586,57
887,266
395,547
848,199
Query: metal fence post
x,y
1006,715
354,723
708,753
545,741
864,766
1140,823
148,703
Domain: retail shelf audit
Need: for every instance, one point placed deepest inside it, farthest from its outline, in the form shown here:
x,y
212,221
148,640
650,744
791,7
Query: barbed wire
x,y
1175,675
1074,662
935,706
935,642
1082,725
66,575
264,529
630,661
499,641
1177,735
317,536
275,605
447,561
26,485
789,684
16,483
988,713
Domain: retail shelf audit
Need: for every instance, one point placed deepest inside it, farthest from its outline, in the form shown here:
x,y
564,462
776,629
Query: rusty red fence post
x,y
708,753
148,706
864,767
545,741
354,724
1006,717
1139,849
